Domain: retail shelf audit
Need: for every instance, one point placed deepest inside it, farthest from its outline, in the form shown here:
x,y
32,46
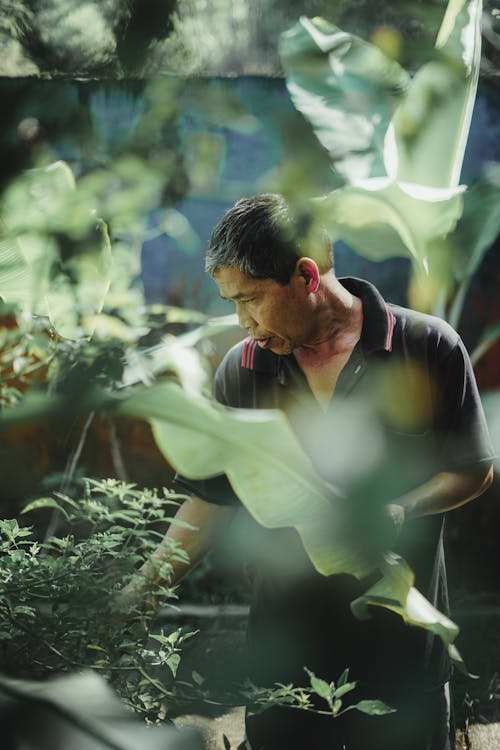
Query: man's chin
x,y
280,347
274,345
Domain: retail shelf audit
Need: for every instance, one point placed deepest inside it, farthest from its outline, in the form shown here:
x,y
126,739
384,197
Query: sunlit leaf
x,y
177,314
203,439
395,591
320,687
110,327
383,219
342,690
43,502
411,200
173,662
432,123
15,276
39,206
347,89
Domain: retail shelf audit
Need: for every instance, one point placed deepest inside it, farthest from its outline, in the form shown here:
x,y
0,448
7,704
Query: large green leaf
x,y
279,488
347,89
475,233
381,218
81,712
395,591
432,123
15,276
421,148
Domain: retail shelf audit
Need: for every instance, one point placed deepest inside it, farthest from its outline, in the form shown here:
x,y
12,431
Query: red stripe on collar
x,y
248,353
391,322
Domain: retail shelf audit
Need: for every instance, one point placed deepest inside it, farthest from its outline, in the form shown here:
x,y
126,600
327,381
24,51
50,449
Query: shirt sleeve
x,y
216,490
466,440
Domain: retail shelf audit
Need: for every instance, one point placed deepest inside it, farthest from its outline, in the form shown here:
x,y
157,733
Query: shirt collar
x,y
376,334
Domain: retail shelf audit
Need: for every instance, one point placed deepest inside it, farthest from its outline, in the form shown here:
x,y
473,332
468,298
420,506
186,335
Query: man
x,y
392,393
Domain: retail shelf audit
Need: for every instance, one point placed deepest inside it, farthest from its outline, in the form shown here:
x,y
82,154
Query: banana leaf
x,y
279,488
409,205
348,90
395,591
475,233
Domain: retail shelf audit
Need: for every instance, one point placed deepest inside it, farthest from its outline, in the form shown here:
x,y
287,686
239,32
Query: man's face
x,y
272,314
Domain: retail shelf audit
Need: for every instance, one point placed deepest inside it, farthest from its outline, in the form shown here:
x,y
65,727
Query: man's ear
x,y
308,269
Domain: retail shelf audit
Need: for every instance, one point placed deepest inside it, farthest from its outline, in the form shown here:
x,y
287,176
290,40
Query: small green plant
x,y
57,593
330,695
58,611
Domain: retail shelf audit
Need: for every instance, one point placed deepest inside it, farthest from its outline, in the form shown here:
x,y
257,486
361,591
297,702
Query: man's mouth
x,y
263,343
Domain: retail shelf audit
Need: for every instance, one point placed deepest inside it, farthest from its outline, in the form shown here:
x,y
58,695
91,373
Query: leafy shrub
x,y
56,594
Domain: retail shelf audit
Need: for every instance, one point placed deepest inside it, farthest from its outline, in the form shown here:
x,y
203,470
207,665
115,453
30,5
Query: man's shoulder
x,y
421,330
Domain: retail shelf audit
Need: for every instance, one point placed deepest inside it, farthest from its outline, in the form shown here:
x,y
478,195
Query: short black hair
x,y
260,237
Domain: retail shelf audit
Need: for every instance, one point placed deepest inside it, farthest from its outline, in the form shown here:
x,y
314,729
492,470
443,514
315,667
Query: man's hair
x,y
261,238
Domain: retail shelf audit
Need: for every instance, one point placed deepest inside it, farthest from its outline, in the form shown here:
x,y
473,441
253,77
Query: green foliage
x,y
320,697
80,712
395,591
57,613
114,39
348,90
56,593
202,439
401,159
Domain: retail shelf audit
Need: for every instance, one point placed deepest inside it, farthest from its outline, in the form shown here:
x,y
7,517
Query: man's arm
x,y
445,491
207,520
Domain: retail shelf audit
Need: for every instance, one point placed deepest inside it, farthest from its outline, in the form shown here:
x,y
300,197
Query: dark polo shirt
x,y
405,407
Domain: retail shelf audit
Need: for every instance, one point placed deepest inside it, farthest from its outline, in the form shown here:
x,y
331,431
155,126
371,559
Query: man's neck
x,y
340,322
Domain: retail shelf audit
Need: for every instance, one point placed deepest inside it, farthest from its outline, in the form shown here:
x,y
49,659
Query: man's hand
x,y
193,530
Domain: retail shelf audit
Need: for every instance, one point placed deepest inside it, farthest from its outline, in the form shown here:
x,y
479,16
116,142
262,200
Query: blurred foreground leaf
x,y
279,488
57,251
202,439
401,159
79,712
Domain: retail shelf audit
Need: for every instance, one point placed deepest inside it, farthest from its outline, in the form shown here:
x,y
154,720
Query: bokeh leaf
x,y
347,89
202,439
475,233
56,250
401,158
383,219
372,707
279,488
15,275
432,123
79,711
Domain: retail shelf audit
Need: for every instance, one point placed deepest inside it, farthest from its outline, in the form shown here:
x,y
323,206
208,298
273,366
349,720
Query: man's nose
x,y
244,319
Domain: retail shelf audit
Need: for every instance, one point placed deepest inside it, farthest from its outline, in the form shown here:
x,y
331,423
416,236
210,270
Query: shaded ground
x,y
220,644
